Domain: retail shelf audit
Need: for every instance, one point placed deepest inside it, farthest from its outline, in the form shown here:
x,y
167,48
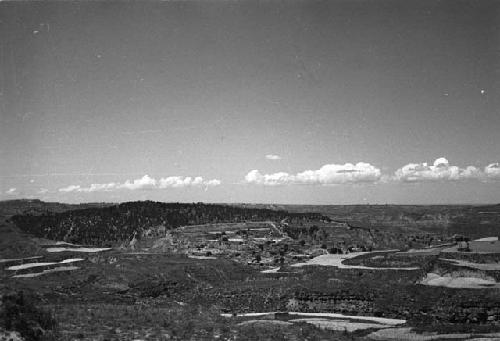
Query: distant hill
x,y
475,221
108,224
111,224
471,220
36,206
14,242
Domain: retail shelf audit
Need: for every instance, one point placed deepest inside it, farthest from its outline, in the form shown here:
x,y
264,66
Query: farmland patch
x,y
451,281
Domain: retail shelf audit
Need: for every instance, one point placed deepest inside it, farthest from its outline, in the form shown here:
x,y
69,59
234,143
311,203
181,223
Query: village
x,y
265,245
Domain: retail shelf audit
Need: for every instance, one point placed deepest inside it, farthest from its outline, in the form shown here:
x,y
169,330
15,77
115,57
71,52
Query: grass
x,y
173,322
19,312
138,321
479,247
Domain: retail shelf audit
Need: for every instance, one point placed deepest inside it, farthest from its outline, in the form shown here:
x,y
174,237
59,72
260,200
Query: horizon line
x,y
251,203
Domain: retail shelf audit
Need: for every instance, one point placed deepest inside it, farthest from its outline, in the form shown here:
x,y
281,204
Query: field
x,y
259,275
479,247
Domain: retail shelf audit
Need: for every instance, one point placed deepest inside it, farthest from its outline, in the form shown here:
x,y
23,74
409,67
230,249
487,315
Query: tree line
x,y
107,225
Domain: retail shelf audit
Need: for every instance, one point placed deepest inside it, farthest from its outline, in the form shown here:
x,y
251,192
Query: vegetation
x,y
161,294
108,225
18,312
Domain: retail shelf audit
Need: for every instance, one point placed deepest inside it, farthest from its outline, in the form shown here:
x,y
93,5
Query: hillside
x,y
475,221
193,270
112,224
36,206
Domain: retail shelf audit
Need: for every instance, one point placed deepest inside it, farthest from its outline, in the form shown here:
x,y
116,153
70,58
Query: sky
x,y
292,102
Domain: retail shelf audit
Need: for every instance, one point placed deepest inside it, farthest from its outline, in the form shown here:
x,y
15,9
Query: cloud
x,y
70,188
144,183
492,171
273,157
213,183
281,178
11,191
330,174
91,188
439,170
43,191
180,181
100,187
339,174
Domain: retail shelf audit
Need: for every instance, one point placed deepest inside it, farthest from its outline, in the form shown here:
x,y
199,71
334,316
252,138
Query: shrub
x,y
19,313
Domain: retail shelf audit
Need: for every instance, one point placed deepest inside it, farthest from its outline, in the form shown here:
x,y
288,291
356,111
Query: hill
x,y
475,221
117,223
36,206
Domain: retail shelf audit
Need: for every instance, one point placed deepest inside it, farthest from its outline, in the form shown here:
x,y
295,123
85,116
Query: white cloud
x,y
439,170
339,174
213,183
471,172
329,174
91,188
11,191
70,188
43,191
146,182
492,170
281,178
181,181
100,187
273,157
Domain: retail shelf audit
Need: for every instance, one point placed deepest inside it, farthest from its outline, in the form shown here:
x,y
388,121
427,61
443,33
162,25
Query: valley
x,y
171,271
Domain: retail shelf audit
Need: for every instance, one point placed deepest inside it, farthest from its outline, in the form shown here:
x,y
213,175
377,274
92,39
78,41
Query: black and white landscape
x,y
250,170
